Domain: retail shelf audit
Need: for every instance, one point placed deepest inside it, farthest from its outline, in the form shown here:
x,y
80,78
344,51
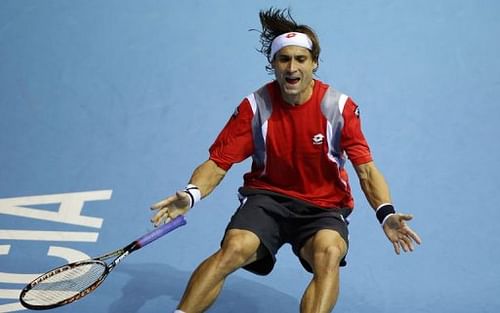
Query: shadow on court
x,y
151,281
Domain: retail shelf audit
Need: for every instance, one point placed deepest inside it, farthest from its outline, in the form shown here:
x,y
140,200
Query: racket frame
x,y
58,270
119,255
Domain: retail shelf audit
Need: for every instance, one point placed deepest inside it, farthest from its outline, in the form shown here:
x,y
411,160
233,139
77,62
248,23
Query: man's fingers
x,y
396,247
402,236
402,243
414,236
158,205
406,243
170,208
163,216
406,217
157,217
163,203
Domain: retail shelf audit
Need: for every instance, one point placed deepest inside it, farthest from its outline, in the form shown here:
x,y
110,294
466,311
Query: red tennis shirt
x,y
298,151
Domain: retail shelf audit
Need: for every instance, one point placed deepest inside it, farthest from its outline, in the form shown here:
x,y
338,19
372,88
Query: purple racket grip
x,y
161,231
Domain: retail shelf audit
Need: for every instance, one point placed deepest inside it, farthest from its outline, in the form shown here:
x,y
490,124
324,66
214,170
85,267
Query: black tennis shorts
x,y
277,219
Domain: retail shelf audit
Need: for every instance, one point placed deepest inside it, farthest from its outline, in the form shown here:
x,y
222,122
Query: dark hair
x,y
276,22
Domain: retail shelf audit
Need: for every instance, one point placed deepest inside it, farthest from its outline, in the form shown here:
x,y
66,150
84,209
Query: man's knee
x,y
238,248
325,250
330,254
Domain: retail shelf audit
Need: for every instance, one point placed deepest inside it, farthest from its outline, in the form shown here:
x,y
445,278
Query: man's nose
x,y
291,66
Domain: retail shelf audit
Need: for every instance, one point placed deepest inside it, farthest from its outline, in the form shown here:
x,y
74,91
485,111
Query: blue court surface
x,y
107,106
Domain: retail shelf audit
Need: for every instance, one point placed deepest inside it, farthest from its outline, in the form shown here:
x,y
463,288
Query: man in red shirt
x,y
299,132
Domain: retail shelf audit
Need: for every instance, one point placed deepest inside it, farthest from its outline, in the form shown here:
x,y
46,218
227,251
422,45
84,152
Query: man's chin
x,y
291,90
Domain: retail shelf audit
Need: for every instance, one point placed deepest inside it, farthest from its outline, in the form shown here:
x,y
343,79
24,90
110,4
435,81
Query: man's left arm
x,y
377,193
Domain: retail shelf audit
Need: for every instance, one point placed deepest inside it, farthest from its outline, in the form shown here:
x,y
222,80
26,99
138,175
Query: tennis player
x,y
299,132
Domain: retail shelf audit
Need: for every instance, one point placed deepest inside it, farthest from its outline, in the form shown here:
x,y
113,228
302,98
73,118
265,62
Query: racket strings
x,y
65,284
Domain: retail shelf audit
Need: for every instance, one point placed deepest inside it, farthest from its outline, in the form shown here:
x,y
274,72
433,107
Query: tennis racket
x,y
70,282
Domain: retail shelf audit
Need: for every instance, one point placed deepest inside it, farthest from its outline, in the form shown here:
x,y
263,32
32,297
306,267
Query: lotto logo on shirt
x,y
318,139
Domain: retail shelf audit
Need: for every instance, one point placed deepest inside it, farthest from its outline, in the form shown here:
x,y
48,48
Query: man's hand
x,y
399,233
170,208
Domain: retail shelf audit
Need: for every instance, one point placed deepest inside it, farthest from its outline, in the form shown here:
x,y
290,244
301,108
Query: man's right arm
x,y
233,145
205,177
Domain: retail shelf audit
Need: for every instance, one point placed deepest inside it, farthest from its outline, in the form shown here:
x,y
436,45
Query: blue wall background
x,y
128,96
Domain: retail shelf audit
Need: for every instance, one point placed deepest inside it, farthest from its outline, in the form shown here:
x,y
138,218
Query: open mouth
x,y
292,80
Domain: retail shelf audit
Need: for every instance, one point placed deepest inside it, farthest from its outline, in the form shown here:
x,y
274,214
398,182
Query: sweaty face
x,y
293,67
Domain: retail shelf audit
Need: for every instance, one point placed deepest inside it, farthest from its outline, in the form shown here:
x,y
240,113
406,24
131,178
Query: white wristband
x,y
194,194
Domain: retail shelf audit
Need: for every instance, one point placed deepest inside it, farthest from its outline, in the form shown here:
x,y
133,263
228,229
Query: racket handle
x,y
161,231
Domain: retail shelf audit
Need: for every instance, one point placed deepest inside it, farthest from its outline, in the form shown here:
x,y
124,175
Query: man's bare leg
x,y
323,251
238,249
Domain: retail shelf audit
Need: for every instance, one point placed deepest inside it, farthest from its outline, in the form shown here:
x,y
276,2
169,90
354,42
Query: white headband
x,y
290,39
